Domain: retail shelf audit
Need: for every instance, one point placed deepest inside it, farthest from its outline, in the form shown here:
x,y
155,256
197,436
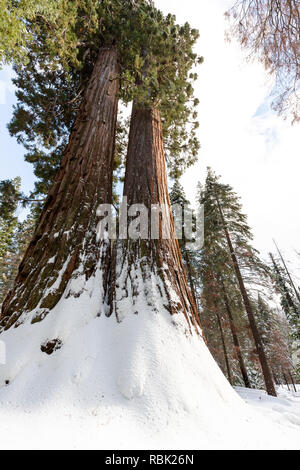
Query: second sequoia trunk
x,y
65,244
149,272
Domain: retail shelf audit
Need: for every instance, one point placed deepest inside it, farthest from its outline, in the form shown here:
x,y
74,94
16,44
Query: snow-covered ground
x,y
66,426
144,383
285,409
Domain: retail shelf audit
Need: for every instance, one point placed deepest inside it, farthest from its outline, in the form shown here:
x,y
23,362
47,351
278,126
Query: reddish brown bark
x,y
276,378
286,381
190,279
235,337
224,348
293,382
297,294
65,243
288,297
248,307
146,183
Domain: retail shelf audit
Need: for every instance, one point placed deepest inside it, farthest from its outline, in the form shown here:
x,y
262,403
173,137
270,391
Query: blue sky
x,y
12,162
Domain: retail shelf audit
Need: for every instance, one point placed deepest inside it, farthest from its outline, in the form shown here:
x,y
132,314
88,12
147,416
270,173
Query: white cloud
x,y
2,92
254,150
6,85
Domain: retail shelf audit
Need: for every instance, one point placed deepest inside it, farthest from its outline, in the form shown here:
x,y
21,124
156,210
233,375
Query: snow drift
x,y
145,382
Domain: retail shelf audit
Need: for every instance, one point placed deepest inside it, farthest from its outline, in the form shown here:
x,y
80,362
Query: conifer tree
x,y
50,85
14,33
274,337
164,101
13,234
289,306
10,262
230,225
9,192
235,338
290,279
106,62
215,263
288,300
209,266
84,179
178,198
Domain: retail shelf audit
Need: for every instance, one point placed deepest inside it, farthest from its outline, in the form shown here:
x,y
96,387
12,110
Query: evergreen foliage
x,y
9,194
53,46
15,251
156,57
289,306
214,281
14,235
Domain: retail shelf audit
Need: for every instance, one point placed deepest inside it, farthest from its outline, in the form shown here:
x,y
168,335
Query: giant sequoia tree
x,y
64,243
151,268
76,90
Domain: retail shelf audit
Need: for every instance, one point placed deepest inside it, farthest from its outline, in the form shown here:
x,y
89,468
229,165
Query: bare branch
x,y
270,31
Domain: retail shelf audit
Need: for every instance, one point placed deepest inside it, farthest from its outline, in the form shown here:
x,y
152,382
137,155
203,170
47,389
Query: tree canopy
x,y
156,58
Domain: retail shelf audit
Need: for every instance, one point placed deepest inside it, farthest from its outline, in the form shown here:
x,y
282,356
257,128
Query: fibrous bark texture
x,y
149,273
65,243
235,338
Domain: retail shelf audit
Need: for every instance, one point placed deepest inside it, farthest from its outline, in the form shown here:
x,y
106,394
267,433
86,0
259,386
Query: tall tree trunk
x,y
224,349
256,335
149,268
235,337
276,378
289,275
286,291
65,244
286,381
190,277
292,380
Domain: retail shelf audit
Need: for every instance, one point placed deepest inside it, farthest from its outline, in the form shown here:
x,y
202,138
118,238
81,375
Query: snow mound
x,y
141,383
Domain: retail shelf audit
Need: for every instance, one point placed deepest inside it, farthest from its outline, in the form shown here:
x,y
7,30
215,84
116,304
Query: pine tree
x,y
234,333
178,198
291,282
10,262
13,31
289,306
274,337
9,194
227,223
214,321
215,263
51,83
14,235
